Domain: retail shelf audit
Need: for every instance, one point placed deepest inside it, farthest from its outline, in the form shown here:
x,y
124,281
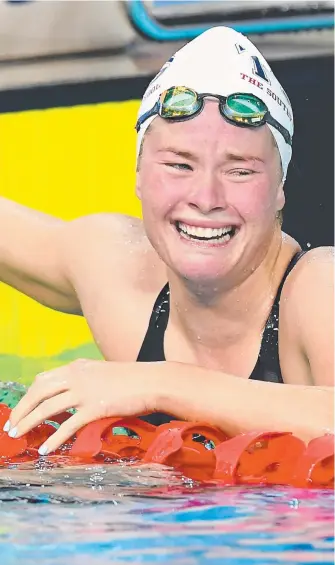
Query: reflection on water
x,y
56,515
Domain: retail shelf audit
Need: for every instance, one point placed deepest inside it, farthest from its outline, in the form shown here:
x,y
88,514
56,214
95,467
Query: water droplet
x,y
96,478
294,503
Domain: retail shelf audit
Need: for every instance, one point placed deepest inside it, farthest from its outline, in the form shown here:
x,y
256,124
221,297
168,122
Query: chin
x,y
202,273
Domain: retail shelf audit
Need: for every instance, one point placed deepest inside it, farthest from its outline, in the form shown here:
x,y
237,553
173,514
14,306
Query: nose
x,y
208,193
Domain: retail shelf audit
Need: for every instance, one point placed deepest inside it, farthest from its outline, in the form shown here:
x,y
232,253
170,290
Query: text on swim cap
x,y
275,97
151,90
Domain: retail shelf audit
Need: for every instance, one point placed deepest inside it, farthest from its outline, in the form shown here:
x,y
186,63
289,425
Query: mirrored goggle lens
x,y
179,102
245,108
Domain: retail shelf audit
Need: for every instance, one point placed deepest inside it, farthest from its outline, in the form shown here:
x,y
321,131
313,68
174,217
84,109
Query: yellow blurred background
x,y
67,162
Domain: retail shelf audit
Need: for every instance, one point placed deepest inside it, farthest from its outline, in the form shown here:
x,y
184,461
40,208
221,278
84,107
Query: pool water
x,y
54,514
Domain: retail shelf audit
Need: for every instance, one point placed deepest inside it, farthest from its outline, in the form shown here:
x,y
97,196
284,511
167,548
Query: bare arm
x,y
51,260
238,405
99,389
306,338
32,255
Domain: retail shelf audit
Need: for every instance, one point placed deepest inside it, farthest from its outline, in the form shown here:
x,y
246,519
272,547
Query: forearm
x,y
238,405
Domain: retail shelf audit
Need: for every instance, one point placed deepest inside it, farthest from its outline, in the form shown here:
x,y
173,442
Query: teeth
x,y
204,233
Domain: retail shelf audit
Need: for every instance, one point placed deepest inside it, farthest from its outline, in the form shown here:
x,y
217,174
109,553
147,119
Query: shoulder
x,y
103,223
107,242
307,312
312,276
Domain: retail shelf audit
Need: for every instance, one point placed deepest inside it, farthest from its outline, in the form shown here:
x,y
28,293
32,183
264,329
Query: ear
x,y
280,198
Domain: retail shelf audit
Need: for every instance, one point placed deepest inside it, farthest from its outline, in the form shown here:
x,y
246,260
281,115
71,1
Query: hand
x,y
97,389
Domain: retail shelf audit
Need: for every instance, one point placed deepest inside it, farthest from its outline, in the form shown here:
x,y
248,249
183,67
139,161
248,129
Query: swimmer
x,y
206,310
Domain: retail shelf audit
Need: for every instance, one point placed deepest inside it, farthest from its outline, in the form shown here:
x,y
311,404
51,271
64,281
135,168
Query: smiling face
x,y
210,192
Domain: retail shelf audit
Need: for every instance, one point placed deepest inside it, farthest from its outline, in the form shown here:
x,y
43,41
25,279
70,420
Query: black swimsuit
x,y
267,367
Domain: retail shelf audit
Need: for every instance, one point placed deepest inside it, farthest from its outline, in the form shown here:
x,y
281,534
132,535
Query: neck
x,y
211,316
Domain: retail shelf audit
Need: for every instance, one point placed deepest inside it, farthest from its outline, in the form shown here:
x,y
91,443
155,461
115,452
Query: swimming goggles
x,y
180,103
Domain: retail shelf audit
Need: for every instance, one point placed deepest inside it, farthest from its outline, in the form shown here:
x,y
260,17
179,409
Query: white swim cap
x,y
223,61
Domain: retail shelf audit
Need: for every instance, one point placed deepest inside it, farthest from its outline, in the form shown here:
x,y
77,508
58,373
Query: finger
x,y
42,412
42,389
64,432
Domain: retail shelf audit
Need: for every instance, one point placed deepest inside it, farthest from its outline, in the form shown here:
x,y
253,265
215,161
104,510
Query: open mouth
x,y
210,235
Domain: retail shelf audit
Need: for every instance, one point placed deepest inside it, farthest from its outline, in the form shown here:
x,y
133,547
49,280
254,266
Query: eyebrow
x,y
238,157
228,157
183,154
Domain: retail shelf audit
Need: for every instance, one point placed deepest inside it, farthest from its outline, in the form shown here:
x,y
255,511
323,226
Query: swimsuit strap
x,y
152,348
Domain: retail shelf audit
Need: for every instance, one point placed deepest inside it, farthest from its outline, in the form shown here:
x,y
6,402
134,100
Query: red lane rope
x,y
198,450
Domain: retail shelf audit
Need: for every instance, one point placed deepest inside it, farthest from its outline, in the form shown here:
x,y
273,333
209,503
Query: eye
x,y
242,172
180,166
